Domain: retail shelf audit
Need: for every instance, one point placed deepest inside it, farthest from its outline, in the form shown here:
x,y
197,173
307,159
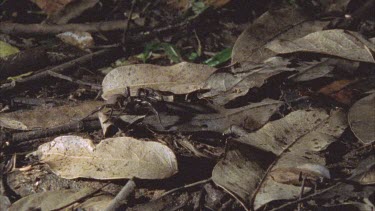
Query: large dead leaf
x,y
286,23
336,42
296,139
361,119
181,78
250,117
40,117
52,200
114,158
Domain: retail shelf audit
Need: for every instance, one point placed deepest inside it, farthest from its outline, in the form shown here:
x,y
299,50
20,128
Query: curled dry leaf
x,y
40,117
286,23
181,78
114,158
335,42
365,171
296,139
82,40
361,119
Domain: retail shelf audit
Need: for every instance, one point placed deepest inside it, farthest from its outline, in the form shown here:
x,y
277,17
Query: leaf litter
x,y
233,123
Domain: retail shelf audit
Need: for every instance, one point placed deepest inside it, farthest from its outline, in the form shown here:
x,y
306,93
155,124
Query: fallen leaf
x,y
364,173
297,140
335,42
250,117
225,86
181,78
6,49
361,119
41,118
50,200
286,23
62,11
337,91
82,40
113,158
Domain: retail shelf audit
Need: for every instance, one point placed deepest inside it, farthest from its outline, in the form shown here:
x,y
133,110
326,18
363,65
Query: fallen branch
x,y
17,28
77,126
58,69
121,197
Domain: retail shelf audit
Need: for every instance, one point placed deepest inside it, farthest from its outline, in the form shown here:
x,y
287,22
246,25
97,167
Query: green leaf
x,y
172,52
220,58
198,7
193,56
6,49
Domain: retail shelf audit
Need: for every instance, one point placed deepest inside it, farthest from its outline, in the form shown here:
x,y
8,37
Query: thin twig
x,y
121,196
17,28
126,29
186,186
64,77
57,69
282,207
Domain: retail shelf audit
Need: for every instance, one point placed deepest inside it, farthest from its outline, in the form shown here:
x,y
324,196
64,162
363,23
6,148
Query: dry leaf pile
x,y
288,124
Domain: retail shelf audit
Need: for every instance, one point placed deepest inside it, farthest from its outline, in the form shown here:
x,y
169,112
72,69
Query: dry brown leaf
x,y
335,42
337,91
113,158
297,139
51,6
181,78
286,23
41,117
361,119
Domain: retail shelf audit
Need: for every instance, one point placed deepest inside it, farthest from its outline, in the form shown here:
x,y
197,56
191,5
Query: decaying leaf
x,y
296,139
240,172
61,11
40,117
361,119
250,117
82,40
226,86
365,172
181,78
114,158
335,42
286,23
337,90
50,200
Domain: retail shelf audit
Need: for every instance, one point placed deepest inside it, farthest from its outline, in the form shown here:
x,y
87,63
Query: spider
x,y
143,102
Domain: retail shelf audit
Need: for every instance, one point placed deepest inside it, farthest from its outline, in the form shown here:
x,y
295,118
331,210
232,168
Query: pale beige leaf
x,y
361,119
40,117
336,42
286,23
114,158
181,78
82,40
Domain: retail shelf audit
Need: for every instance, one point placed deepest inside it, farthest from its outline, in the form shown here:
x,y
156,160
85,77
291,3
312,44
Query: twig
x,y
57,69
124,35
75,126
121,196
17,28
186,186
282,207
64,77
